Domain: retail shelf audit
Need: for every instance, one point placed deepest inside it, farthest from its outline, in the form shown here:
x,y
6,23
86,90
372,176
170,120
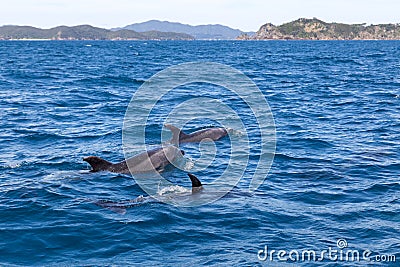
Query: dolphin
x,y
148,161
196,184
214,134
120,207
197,189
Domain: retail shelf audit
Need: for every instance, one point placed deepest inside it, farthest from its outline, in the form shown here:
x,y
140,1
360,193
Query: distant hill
x,y
315,29
199,32
85,32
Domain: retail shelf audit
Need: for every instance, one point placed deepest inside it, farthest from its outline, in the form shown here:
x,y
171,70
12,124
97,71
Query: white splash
x,y
189,164
172,189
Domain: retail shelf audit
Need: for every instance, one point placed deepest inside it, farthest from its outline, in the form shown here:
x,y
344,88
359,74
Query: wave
x,y
311,143
382,188
108,80
31,136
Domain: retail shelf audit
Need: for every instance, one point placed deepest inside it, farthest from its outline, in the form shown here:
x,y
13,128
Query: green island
x,y
84,32
315,29
300,29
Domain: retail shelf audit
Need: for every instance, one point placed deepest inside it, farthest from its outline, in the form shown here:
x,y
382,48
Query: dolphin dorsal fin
x,y
195,181
98,164
177,134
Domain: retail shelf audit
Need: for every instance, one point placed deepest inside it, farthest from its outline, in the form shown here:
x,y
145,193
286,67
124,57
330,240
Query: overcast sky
x,y
247,15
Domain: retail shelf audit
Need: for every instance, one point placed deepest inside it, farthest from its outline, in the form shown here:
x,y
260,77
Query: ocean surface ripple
x,y
336,106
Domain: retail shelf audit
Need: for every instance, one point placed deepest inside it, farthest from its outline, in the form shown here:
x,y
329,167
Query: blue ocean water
x,y
335,175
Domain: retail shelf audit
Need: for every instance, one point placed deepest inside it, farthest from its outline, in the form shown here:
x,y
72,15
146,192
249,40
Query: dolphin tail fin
x,y
196,184
176,134
98,164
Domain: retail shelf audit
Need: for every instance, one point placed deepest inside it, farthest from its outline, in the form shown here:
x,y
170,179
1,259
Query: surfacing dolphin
x,y
186,195
149,161
214,134
120,207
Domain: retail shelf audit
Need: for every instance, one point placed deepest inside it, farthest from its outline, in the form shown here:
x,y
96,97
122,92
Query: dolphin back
x,y
196,184
177,134
98,164
179,137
